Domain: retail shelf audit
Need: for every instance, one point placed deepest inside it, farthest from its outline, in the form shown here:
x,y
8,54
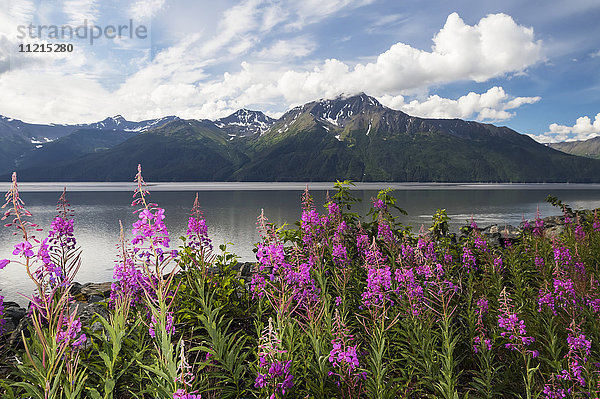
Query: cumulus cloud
x,y
496,46
583,129
181,79
493,105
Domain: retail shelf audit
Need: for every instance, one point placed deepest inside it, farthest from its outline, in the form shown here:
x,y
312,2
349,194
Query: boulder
x,y
13,314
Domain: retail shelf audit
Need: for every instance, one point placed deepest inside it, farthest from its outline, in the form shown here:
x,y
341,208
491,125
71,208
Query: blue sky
x,y
530,65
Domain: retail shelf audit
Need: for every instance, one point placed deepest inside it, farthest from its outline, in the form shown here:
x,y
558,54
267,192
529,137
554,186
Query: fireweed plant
x,y
338,305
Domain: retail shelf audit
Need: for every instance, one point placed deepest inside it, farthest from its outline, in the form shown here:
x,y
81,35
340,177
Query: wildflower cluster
x,y
197,231
343,305
512,328
481,340
274,371
344,360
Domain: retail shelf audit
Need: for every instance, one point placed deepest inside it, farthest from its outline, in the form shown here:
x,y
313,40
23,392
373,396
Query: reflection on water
x,y
231,213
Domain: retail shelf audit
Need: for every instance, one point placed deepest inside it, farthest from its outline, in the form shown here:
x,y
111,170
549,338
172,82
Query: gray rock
x,y
13,314
554,232
87,311
84,292
15,340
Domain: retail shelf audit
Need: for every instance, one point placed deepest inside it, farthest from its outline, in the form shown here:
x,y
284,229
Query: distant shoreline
x,y
288,186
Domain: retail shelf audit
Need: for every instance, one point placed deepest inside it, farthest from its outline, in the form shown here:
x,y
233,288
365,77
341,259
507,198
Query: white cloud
x,y
79,11
73,105
180,79
496,46
583,129
21,12
384,23
493,105
238,21
311,11
143,9
285,49
596,54
15,21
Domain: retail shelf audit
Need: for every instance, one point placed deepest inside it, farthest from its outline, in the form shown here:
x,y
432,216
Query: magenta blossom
x,y
181,394
3,263
23,249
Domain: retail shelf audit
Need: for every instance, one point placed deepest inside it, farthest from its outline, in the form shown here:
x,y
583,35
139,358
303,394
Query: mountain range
x,y
352,137
586,148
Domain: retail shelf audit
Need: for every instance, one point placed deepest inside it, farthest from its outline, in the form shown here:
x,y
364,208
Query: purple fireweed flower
x,y
562,296
498,265
340,255
410,288
579,352
481,243
448,258
562,257
295,276
70,332
62,233
339,355
312,226
481,340
539,262
150,230
596,223
514,331
512,328
362,242
139,273
552,392
482,305
197,231
23,249
181,394
408,253
274,372
344,357
579,232
3,263
341,229
472,223
130,279
384,232
468,260
379,282
577,363
425,250
333,209
379,204
258,285
169,326
538,230
271,255
338,300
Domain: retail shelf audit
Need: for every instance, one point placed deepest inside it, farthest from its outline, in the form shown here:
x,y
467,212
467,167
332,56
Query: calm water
x,y
231,210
